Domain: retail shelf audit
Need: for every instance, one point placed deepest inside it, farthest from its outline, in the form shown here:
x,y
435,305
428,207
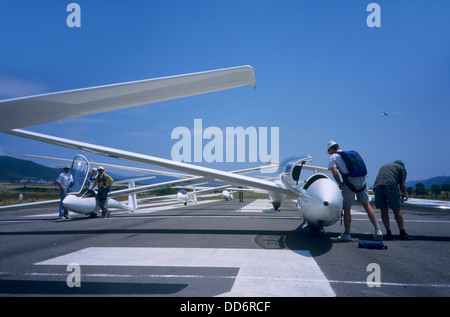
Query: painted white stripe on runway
x,y
51,215
259,205
114,211
300,280
264,205
261,272
155,207
405,220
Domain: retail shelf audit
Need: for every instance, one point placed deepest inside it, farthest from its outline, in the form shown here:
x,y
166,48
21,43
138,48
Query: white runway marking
x,y
442,222
144,209
259,205
155,207
264,205
300,280
50,215
262,273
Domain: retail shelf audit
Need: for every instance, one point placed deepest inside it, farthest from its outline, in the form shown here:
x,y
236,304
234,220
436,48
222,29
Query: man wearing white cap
x,y
104,182
356,187
92,179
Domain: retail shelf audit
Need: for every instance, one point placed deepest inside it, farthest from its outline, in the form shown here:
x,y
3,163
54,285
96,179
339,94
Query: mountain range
x,y
13,170
438,180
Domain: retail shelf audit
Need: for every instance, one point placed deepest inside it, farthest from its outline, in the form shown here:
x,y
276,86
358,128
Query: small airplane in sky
x,y
385,114
319,199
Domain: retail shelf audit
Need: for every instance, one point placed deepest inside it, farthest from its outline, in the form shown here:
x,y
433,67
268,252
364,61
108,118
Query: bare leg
x,y
373,218
371,213
385,218
347,222
399,219
347,219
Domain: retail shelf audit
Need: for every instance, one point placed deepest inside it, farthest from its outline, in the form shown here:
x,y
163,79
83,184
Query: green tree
x,y
436,190
410,190
445,188
420,189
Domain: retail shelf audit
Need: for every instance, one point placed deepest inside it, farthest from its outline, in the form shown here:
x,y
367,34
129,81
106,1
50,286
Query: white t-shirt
x,y
92,181
337,161
64,179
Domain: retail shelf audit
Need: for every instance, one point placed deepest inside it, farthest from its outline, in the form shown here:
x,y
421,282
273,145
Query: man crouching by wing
x,y
103,182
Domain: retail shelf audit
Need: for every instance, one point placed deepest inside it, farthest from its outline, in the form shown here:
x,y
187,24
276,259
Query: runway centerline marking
x,y
262,273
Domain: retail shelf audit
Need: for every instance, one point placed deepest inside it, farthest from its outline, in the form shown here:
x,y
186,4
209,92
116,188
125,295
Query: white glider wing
x,y
38,204
212,174
121,167
28,111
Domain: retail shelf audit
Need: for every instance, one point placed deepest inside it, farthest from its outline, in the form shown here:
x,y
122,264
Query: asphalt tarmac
x,y
218,248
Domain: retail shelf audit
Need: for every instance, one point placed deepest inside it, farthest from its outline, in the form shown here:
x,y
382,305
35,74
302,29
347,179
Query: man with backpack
x,y
104,182
353,171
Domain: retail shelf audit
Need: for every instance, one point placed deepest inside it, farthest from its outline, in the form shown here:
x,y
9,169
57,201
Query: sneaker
x,y
344,237
67,217
378,236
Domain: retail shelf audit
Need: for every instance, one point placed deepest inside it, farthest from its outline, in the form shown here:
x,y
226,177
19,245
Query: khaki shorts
x,y
349,196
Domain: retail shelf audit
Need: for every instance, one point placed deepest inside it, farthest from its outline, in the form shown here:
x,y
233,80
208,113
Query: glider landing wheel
x,y
276,205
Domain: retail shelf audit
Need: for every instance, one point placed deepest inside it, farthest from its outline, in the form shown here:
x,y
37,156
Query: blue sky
x,y
320,72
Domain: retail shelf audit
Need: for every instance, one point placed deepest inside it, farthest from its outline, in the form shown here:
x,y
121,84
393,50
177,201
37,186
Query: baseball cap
x,y
330,144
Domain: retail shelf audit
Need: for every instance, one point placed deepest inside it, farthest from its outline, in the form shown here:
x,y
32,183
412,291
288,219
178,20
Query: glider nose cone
x,y
70,202
79,205
322,203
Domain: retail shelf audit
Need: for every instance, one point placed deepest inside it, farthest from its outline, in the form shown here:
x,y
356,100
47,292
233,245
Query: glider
x,y
385,114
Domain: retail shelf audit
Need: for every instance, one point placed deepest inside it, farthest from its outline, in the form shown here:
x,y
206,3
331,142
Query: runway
x,y
218,249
